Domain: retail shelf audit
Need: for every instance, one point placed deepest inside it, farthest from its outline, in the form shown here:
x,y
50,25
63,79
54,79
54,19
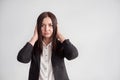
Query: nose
x,y
46,28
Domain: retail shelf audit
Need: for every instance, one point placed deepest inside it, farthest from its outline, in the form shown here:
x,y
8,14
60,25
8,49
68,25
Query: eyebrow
x,y
48,23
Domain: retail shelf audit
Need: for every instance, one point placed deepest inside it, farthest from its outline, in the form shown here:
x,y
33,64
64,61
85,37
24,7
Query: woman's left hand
x,y
59,36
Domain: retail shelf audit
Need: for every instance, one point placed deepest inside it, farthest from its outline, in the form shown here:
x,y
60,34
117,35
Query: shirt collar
x,y
50,44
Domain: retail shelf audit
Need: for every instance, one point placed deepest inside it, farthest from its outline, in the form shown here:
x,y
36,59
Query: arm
x,y
69,50
25,53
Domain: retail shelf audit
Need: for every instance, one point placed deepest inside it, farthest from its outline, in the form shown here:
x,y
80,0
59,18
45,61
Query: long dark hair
x,y
39,25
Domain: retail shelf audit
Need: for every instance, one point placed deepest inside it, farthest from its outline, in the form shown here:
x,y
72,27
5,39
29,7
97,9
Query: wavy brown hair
x,y
39,25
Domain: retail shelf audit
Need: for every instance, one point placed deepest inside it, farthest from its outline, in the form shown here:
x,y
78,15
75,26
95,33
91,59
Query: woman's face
x,y
47,28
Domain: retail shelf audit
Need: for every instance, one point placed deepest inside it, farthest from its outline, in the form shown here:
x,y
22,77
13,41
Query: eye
x,y
43,25
50,25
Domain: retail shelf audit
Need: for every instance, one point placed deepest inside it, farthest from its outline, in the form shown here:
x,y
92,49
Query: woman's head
x,y
47,28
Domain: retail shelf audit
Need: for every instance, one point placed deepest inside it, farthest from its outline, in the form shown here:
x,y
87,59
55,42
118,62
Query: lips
x,y
46,33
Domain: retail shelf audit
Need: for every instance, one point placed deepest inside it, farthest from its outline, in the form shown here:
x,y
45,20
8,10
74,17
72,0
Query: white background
x,y
93,26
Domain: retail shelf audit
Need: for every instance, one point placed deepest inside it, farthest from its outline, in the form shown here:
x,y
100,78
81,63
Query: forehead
x,y
47,20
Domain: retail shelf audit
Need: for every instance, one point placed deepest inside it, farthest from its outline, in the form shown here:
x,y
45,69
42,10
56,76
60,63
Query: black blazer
x,y
63,50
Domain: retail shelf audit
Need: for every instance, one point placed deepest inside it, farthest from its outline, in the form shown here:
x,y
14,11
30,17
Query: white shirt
x,y
46,71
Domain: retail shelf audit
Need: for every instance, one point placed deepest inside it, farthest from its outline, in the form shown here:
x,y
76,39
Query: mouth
x,y
46,33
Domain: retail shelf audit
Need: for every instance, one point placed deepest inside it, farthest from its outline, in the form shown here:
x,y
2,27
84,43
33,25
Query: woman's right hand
x,y
34,37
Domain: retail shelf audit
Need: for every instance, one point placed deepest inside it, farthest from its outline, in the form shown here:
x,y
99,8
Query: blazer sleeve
x,y
24,55
69,50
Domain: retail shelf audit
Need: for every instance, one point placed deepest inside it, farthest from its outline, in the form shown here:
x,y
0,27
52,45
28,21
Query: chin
x,y
47,36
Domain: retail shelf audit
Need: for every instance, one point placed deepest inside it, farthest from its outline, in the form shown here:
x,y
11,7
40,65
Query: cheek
x,y
52,30
42,31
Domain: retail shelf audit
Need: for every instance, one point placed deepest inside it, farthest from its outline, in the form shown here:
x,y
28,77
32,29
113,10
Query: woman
x,y
46,50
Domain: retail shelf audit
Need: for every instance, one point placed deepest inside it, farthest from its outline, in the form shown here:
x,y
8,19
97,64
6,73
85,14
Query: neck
x,y
47,41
